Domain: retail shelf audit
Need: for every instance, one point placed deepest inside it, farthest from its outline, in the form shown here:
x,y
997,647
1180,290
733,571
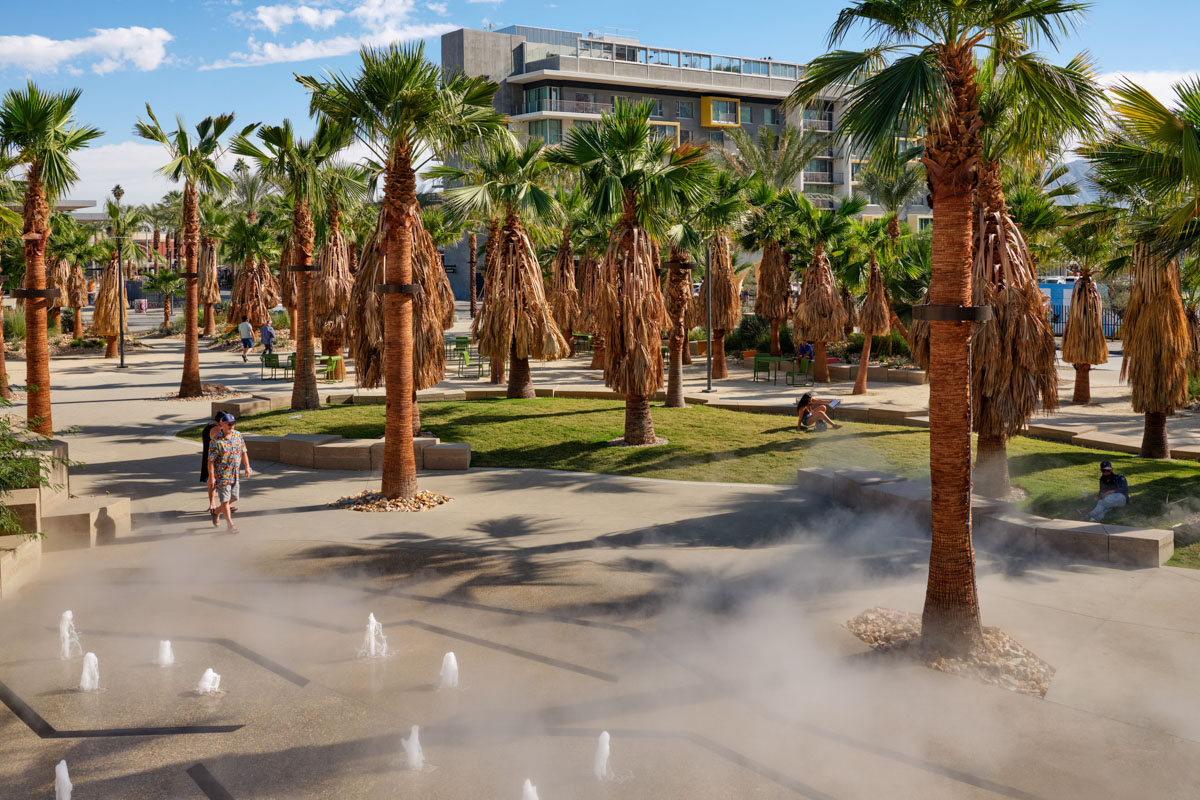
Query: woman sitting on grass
x,y
810,416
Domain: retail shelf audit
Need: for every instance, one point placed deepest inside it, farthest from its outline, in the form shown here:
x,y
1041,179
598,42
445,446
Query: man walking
x,y
267,334
246,331
226,453
1114,492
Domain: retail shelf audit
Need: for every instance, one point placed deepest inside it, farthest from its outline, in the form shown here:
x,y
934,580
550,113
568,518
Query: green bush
x,y
1194,386
67,322
279,320
892,344
14,325
89,342
754,333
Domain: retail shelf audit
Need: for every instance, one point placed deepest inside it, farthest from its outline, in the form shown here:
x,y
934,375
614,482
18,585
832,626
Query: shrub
x,y
68,319
894,344
88,342
14,325
22,464
754,333
279,320
1194,386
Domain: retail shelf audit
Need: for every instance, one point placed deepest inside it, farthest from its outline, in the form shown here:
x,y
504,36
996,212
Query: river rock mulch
x,y
376,502
1002,661
208,391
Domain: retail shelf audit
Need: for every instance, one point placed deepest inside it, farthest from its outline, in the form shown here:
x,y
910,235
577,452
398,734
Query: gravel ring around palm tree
x,y
375,502
208,391
620,442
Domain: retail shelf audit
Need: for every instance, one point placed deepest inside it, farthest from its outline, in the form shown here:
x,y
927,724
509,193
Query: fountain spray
x,y
90,680
449,674
412,748
68,639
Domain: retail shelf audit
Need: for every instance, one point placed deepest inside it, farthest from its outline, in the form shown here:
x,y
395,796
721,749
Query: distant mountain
x,y
1079,172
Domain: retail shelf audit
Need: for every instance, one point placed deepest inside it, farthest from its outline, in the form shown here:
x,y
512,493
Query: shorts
x,y
247,343
229,491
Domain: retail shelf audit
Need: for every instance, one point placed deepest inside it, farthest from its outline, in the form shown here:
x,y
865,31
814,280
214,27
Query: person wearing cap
x,y
226,453
1114,492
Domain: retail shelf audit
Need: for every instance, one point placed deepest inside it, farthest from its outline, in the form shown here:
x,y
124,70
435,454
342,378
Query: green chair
x,y
761,365
466,368
803,371
331,368
270,361
289,367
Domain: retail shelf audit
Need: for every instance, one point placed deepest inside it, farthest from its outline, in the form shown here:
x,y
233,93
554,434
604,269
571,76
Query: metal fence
x,y
1108,320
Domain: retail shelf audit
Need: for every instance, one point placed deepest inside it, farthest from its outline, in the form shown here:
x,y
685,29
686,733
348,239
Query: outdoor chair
x,y
331,369
270,361
761,365
289,366
467,368
803,373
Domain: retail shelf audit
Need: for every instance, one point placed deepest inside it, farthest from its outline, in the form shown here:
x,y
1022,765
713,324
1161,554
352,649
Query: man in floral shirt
x,y
226,453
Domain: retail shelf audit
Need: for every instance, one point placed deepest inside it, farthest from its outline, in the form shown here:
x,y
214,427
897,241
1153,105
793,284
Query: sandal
x,y
215,518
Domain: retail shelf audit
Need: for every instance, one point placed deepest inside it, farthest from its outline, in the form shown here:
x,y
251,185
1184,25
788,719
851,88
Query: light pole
x,y
121,296
708,304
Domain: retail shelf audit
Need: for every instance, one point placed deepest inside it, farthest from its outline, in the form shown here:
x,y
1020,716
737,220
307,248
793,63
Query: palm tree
x,y
295,165
768,227
1151,157
168,284
516,320
71,246
872,240
930,85
820,314
775,158
342,187
1084,344
629,169
193,160
160,218
721,212
893,180
214,221
38,130
256,290
562,294
400,106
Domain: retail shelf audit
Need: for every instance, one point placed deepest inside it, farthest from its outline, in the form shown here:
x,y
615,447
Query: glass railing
x,y
822,177
563,107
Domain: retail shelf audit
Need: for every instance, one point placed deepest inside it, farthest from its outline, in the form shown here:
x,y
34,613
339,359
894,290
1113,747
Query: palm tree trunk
x,y
820,364
991,467
37,353
189,384
520,382
416,413
860,382
776,349
54,317
110,346
1154,436
950,621
166,313
497,371
472,243
77,317
597,352
675,377
719,368
304,386
1083,384
210,324
687,349
639,426
399,463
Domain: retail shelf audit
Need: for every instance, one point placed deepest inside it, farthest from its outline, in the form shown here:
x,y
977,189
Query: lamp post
x,y
121,296
708,309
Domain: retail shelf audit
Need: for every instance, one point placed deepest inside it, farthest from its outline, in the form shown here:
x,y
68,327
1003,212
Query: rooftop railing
x,y
563,107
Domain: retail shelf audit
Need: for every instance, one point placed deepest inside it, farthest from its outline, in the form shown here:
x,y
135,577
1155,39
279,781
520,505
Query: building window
x,y
666,58
725,111
548,130
924,224
716,138
748,116
543,98
628,52
657,109
685,135
697,60
783,71
726,64
771,116
754,67
686,109
668,129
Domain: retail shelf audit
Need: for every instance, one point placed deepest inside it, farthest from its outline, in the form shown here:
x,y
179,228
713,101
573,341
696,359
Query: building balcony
x,y
823,177
818,124
562,107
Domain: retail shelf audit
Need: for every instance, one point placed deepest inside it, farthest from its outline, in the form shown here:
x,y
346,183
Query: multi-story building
x,y
551,81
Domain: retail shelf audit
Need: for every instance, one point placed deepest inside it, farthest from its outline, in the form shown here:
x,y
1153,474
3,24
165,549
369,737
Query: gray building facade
x,y
551,81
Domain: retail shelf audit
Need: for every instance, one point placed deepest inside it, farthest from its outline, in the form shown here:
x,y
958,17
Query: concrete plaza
x,y
700,624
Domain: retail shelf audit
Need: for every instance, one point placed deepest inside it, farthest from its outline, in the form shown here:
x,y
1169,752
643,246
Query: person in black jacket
x,y
1114,492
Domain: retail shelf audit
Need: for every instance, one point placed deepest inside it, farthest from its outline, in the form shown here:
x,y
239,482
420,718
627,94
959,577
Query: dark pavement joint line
x,y
208,784
45,730
228,644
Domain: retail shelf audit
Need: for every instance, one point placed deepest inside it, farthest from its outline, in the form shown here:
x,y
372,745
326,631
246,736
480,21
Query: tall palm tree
x,y
1087,246
295,165
920,75
402,108
717,217
71,246
630,170
1151,156
776,157
193,160
256,290
872,240
214,222
820,314
168,284
768,227
342,186
38,131
562,294
516,321
893,180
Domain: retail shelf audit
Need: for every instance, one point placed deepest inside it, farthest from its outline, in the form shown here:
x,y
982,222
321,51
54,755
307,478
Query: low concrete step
x,y
20,559
450,456
85,522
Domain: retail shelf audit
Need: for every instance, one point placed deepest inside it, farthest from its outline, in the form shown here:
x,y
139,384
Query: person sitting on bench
x,y
810,415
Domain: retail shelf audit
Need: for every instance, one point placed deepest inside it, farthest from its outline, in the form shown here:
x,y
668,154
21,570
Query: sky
x,y
203,57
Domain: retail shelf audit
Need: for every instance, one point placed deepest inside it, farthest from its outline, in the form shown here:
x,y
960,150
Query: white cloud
x,y
1158,82
110,49
438,8
131,164
272,53
279,16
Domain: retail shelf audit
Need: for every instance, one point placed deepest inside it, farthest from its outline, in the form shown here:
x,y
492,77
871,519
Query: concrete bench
x,y
850,482
818,480
85,522
431,396
298,449
842,372
878,374
240,407
1189,452
453,395
275,400
892,415
486,394
339,398
588,394
1065,537
1109,441
1059,432
910,376
27,505
353,454
419,445
20,559
370,399
911,497
449,456
1139,547
1013,531
264,448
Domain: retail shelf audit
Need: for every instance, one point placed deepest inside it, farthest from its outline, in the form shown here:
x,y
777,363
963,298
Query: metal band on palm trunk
x,y
30,294
952,313
304,268
397,288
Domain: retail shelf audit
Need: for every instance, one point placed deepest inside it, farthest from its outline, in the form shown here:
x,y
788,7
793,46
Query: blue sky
x,y
200,57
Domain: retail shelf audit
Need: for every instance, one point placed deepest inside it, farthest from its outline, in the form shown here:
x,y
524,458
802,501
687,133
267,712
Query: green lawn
x,y
709,444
